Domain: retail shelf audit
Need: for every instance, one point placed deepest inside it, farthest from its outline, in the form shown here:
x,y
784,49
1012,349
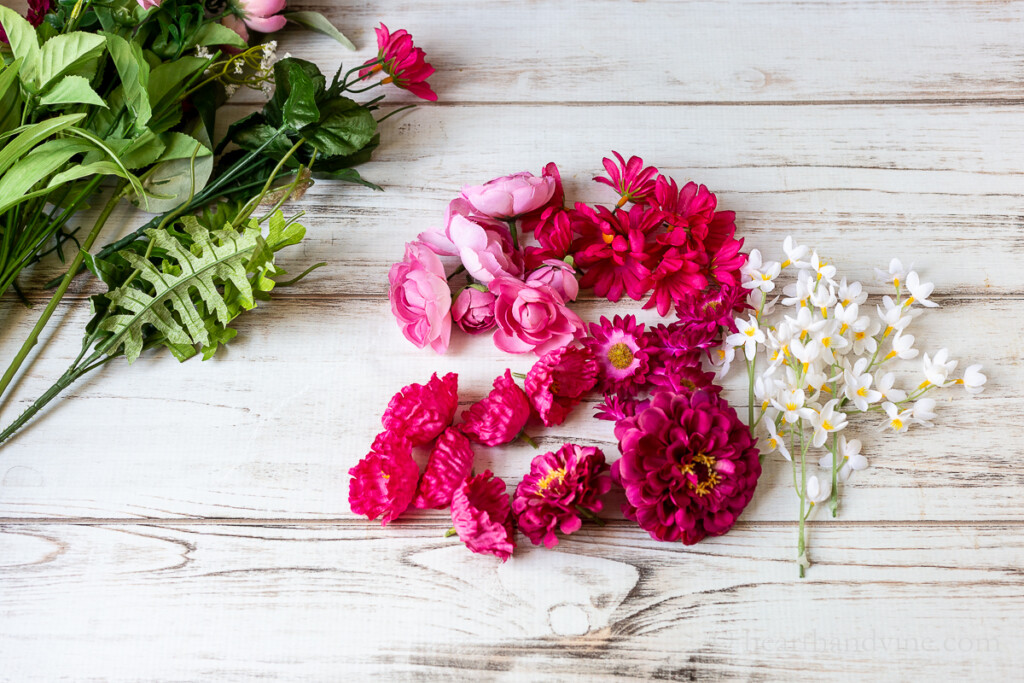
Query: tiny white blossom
x,y
721,360
846,315
776,440
831,341
798,292
748,336
791,405
937,369
864,331
896,271
825,271
919,291
827,420
884,384
857,386
973,381
895,317
898,420
794,253
923,411
850,459
852,293
823,298
903,347
819,488
804,323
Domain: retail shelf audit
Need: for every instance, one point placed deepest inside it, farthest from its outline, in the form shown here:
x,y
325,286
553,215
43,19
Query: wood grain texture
x,y
189,522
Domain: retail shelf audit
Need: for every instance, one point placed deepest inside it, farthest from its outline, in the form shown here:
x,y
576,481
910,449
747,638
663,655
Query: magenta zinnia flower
x,y
560,488
383,482
450,463
557,382
688,465
500,416
619,346
420,412
404,63
482,516
631,179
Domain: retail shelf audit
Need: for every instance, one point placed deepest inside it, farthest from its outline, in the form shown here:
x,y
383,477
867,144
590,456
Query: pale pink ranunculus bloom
x,y
420,298
512,195
483,245
147,4
473,310
531,317
558,275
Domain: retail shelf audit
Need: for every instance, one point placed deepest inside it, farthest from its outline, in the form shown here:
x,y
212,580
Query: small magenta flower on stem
x,y
631,179
404,63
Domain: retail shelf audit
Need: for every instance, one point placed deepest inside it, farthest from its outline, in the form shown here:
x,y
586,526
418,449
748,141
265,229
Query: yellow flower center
x,y
550,477
826,342
897,423
862,392
708,483
827,426
791,406
607,238
858,335
620,356
750,331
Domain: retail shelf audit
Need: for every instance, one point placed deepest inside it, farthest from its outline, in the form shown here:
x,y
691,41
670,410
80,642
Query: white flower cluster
x,y
817,353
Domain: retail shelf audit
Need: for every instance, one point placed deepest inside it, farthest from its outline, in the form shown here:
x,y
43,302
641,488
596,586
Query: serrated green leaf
x,y
26,137
133,70
23,41
63,54
181,146
287,73
345,128
172,179
315,21
72,90
10,96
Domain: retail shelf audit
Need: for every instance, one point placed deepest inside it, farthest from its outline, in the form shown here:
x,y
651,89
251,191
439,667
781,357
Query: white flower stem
x,y
834,502
801,544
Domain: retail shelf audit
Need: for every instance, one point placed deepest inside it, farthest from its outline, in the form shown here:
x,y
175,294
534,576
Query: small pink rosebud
x,y
473,310
512,195
559,276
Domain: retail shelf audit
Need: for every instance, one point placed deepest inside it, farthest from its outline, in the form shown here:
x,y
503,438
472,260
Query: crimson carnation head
x,y
420,412
383,482
405,64
688,465
500,416
482,516
557,382
559,489
619,346
451,461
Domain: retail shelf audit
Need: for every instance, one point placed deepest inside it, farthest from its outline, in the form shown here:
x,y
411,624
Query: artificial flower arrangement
x,y
127,94
688,464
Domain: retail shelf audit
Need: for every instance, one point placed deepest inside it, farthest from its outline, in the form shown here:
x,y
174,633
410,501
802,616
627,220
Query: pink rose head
x,y
557,382
258,15
482,516
484,245
383,482
554,206
560,488
688,465
559,276
531,317
511,196
473,310
500,416
420,412
450,463
420,298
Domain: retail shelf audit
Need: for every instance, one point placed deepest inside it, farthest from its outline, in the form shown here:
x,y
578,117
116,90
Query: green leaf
x,y
85,170
39,163
66,53
172,179
349,175
255,135
287,74
72,90
300,108
181,146
26,137
134,73
23,41
170,76
345,128
218,34
10,97
315,21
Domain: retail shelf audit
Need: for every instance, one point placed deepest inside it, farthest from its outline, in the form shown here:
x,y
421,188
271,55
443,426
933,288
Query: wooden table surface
x,y
187,522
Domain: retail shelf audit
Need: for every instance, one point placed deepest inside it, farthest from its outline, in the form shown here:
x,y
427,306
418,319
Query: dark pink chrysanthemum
x,y
404,63
716,306
681,378
451,461
683,341
419,412
482,516
557,382
631,179
612,251
688,211
560,488
689,466
500,416
619,346
383,482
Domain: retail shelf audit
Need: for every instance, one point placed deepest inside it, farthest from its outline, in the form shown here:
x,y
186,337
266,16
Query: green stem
x,y
589,515
451,532
515,235
801,544
750,395
526,437
33,336
834,500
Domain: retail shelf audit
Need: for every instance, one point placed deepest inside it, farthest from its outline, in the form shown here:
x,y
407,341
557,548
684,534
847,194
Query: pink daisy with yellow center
x,y
620,348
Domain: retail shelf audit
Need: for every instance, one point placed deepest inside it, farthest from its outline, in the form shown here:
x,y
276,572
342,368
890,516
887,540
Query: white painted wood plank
x,y
270,429
938,185
306,603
